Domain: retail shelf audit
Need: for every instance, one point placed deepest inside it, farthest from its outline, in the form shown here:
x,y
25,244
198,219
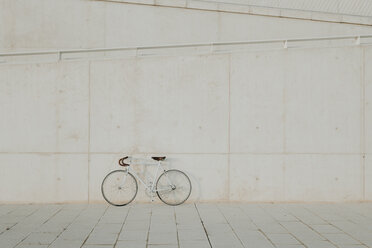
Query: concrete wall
x,y
55,24
284,125
355,7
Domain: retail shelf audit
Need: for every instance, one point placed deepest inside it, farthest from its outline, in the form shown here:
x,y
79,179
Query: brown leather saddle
x,y
158,158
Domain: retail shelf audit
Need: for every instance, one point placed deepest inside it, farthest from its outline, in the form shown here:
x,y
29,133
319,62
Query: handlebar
x,y
121,161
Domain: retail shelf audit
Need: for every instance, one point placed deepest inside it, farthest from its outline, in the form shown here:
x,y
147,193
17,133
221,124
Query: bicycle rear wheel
x,y
119,188
173,187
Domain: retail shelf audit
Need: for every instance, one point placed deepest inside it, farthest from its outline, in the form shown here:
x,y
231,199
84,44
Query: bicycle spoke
x,y
178,185
119,188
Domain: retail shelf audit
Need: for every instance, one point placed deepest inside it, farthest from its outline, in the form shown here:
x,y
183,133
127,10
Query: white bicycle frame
x,y
151,188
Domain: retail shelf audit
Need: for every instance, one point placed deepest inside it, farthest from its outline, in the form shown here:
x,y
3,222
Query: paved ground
x,y
193,225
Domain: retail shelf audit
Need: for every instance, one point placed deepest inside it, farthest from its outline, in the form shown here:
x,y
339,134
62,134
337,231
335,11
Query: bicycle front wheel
x,y
173,187
119,188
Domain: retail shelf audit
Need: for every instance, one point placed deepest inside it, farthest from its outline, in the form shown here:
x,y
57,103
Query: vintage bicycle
x,y
120,187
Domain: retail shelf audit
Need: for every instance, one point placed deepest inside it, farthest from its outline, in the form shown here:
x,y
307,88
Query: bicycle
x,y
120,187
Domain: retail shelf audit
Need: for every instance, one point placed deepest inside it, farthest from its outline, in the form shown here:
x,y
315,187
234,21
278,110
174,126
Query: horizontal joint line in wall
x,y
189,153
60,53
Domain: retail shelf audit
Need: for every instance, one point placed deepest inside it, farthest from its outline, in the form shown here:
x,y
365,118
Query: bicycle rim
x,y
173,187
119,188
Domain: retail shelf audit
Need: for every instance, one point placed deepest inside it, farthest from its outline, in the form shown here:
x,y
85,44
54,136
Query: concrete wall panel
x,y
368,98
256,178
163,105
357,7
323,101
5,30
368,121
43,178
44,107
257,106
368,177
323,178
157,26
45,24
279,28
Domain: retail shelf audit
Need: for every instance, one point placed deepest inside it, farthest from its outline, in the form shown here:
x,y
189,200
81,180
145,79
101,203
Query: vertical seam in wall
x,y
363,133
219,24
284,118
228,132
104,24
284,122
89,132
284,139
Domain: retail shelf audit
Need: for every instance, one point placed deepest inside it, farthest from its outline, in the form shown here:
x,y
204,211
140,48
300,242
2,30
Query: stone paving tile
x,y
137,224
273,228
341,239
304,215
102,239
32,246
252,241
162,246
320,244
187,226
352,246
282,239
62,243
194,244
131,244
108,228
191,235
98,246
133,235
290,246
278,212
162,238
325,229
38,238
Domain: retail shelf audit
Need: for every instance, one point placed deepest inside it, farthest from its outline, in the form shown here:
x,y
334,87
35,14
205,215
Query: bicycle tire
x,y
185,178
105,195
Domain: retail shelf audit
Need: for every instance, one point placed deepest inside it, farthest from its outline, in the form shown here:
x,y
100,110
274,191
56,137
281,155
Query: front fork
x,y
125,178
